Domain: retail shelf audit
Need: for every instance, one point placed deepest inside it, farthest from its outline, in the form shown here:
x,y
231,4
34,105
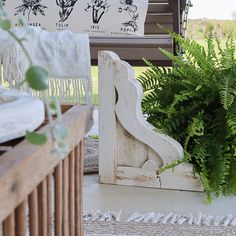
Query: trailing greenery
x,y
37,79
195,103
94,136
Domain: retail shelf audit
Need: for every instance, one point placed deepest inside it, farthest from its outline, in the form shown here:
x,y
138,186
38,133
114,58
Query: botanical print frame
x,y
94,17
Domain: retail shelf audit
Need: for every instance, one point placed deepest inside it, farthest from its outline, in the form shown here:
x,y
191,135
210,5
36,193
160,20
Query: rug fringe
x,y
170,218
102,216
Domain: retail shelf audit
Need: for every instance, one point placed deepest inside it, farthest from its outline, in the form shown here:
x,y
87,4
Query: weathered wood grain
x,y
181,179
79,231
49,204
72,193
107,119
58,200
9,225
42,207
33,213
133,151
20,219
65,196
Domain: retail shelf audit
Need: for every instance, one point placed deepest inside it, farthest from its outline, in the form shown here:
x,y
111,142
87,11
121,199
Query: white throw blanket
x,y
65,55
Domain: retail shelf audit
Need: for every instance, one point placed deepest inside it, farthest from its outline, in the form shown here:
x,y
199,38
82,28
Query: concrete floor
x,y
134,199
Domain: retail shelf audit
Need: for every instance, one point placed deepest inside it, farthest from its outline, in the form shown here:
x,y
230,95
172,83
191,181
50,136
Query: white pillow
x,y
94,17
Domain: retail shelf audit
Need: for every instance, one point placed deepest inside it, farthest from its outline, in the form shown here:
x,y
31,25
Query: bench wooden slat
x,y
65,195
72,193
153,29
58,200
128,54
127,48
20,219
9,225
165,2
49,203
158,1
159,18
145,42
33,213
159,8
79,188
42,202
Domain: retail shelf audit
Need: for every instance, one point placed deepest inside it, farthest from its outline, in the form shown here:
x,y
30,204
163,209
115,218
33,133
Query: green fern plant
x,y
195,103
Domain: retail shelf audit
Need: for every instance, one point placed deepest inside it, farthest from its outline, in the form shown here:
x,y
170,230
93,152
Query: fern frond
x,y
194,102
179,98
228,54
194,49
227,91
195,128
231,118
211,52
177,60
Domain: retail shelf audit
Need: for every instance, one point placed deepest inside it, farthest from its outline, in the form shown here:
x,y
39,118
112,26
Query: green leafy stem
x,y
37,79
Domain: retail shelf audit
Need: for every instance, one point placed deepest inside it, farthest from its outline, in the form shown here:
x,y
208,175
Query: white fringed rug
x,y
97,228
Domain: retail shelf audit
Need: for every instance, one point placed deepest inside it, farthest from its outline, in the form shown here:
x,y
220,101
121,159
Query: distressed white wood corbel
x,y
131,151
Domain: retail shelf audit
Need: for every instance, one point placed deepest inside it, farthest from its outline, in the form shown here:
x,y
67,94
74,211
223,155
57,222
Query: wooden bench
x,y
171,14
41,194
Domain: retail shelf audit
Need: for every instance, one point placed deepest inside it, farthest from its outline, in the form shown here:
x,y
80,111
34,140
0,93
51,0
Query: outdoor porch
x,y
45,190
109,206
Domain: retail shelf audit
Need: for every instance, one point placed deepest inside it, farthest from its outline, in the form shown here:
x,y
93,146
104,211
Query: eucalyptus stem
x,y
50,120
37,79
